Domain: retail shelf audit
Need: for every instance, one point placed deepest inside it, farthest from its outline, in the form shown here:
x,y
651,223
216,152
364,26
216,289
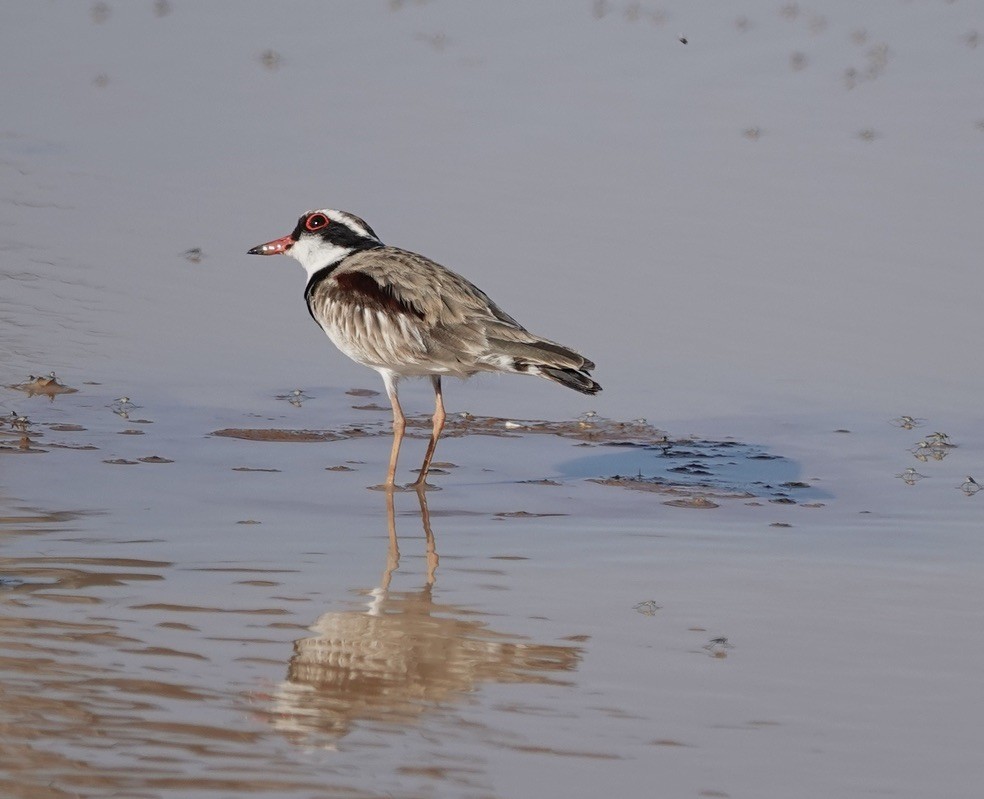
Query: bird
x,y
406,316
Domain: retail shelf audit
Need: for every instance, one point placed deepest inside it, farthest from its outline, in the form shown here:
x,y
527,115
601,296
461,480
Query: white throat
x,y
314,253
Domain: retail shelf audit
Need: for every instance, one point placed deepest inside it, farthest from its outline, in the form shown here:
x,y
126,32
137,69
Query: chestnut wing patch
x,y
361,289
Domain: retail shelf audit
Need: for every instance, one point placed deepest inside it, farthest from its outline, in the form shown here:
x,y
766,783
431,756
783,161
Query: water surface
x,y
767,238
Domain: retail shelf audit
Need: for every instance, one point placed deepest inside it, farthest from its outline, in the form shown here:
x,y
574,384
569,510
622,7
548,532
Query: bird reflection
x,y
403,655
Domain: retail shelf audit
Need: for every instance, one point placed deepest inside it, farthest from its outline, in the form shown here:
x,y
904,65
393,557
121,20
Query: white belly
x,y
380,340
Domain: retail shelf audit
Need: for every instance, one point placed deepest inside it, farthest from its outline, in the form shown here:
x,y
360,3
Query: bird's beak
x,y
275,247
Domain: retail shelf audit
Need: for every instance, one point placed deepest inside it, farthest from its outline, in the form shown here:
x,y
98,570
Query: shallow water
x,y
750,600
195,628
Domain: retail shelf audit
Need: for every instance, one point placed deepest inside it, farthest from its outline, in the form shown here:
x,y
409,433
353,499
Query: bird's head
x,y
322,238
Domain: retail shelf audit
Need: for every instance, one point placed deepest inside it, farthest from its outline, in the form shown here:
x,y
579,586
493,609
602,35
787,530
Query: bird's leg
x,y
439,417
399,426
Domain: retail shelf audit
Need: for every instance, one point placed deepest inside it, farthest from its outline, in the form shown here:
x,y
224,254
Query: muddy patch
x,y
278,435
635,455
595,430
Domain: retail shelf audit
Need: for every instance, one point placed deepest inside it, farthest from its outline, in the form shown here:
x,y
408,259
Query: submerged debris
x,y
692,502
588,427
100,12
271,59
523,514
689,496
598,430
278,435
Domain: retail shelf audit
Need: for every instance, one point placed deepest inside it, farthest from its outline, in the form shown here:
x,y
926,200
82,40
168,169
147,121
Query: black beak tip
x,y
254,251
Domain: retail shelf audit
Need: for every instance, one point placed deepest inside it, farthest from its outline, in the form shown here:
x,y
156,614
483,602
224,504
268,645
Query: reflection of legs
x,y
439,417
393,553
399,426
432,558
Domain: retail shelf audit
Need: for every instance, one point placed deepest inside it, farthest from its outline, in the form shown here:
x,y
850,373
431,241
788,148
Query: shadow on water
x,y
695,466
400,655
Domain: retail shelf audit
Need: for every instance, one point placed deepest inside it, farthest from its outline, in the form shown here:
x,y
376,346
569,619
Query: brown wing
x,y
454,321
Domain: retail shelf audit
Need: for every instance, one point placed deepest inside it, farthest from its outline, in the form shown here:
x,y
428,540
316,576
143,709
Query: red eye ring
x,y
316,222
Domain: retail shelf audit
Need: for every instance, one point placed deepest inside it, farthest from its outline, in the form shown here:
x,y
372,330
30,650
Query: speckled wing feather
x,y
420,314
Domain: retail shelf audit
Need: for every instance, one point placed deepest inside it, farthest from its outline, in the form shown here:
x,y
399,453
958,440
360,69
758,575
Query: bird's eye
x,y
316,222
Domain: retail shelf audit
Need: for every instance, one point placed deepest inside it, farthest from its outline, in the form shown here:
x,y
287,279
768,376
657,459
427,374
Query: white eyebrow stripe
x,y
346,219
349,220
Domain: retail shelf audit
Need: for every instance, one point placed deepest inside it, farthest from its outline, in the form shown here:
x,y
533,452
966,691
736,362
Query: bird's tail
x,y
578,379
550,360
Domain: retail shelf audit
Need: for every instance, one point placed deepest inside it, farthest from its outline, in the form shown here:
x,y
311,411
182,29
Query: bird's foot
x,y
422,485
392,488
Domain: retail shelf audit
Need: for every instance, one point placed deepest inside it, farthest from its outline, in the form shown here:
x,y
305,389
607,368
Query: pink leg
x,y
399,426
439,417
